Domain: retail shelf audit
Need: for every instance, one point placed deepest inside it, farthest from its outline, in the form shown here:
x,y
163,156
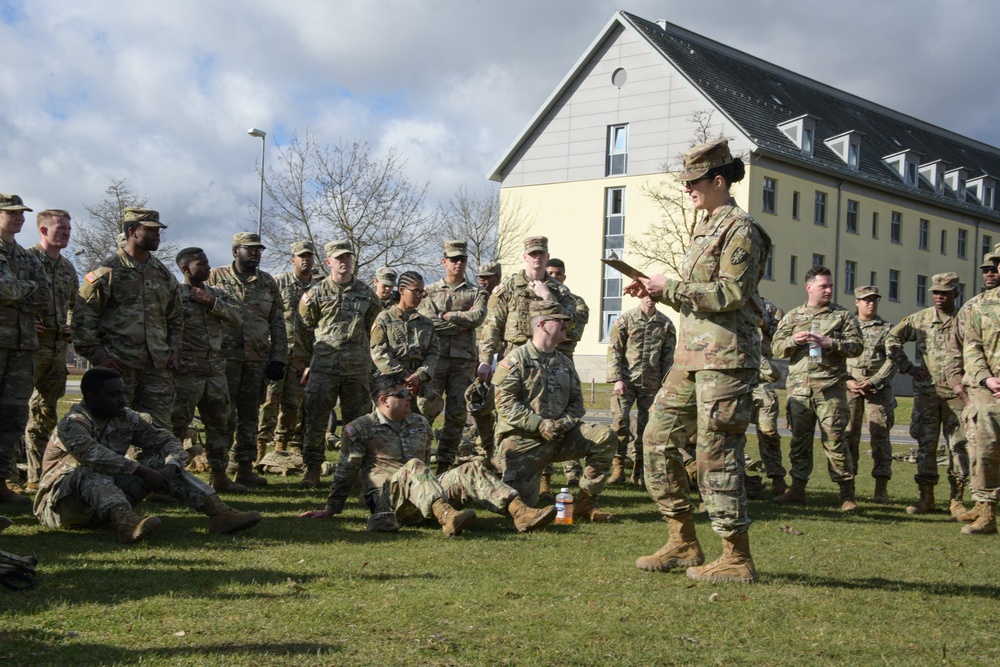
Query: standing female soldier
x,y
714,372
404,341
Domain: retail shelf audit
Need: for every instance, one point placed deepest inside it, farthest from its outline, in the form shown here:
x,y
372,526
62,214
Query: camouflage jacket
x,y
981,348
24,291
507,320
128,311
80,439
580,321
292,289
874,363
404,343
933,333
465,304
334,325
204,326
376,447
385,304
62,277
262,336
641,349
532,386
805,373
717,293
954,366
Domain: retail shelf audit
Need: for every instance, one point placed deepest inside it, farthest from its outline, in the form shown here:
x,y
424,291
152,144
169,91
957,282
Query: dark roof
x,y
744,88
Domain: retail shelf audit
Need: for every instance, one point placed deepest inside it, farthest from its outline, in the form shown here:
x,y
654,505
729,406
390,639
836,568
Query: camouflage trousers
x,y
621,419
765,417
719,405
933,416
150,390
16,382
210,395
280,413
522,459
983,419
452,378
322,393
246,383
83,496
828,407
879,410
50,386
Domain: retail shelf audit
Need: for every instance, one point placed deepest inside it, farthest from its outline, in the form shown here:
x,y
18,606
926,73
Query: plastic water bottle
x,y
564,507
814,347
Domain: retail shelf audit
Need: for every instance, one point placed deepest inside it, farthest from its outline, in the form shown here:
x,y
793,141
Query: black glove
x,y
275,370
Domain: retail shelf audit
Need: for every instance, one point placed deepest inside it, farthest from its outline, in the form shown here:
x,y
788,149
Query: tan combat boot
x,y
584,507
955,506
735,563
926,503
881,495
985,523
246,476
296,449
217,480
280,446
847,503
10,496
527,519
778,486
131,526
971,515
224,519
310,480
545,488
452,520
617,471
573,479
261,452
796,493
681,550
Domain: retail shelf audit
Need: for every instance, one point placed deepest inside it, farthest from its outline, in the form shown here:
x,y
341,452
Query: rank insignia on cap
x,y
91,277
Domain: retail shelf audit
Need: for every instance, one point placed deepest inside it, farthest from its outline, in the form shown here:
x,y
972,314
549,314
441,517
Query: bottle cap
x,y
564,490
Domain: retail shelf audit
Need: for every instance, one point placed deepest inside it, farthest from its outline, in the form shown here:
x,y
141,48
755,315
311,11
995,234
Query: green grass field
x,y
878,588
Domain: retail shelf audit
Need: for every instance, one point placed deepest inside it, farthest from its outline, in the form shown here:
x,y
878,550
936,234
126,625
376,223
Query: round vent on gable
x,y
619,77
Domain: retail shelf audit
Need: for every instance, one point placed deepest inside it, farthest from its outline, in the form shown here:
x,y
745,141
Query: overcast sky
x,y
162,93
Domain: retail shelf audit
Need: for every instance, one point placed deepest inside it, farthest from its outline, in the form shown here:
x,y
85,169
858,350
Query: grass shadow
x,y
949,589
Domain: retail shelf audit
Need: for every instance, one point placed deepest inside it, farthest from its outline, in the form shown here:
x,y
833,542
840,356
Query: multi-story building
x,y
875,195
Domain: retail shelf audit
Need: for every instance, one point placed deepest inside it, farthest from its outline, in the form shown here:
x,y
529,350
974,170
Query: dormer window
x,y
801,131
983,188
847,146
933,173
955,179
905,164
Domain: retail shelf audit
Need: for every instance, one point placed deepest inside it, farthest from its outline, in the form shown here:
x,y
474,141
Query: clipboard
x,y
624,268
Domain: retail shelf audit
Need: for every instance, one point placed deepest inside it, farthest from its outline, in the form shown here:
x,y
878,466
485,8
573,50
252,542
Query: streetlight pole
x,y
254,132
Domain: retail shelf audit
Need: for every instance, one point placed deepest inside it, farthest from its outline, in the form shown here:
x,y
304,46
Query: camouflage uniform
x,y
465,305
765,398
879,408
640,353
507,322
87,472
280,413
248,349
406,343
714,371
24,291
391,456
50,359
580,321
817,389
530,387
133,313
200,381
981,355
333,331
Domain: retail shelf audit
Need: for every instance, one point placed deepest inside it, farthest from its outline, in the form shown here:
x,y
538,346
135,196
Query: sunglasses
x,y
416,292
991,269
402,393
691,184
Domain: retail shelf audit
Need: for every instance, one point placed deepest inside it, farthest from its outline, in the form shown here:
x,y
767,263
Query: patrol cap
x,y
701,159
536,243
248,239
384,383
146,217
548,309
489,269
10,202
454,248
991,257
338,248
386,276
944,282
866,291
303,248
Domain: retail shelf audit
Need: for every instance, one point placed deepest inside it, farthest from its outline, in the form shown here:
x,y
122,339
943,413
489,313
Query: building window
x,y
614,245
944,242
819,215
921,290
911,173
850,271
988,196
795,205
853,154
896,228
807,141
793,270
893,285
873,279
960,299
852,216
925,234
769,195
962,238
818,259
987,244
769,265
617,150
875,225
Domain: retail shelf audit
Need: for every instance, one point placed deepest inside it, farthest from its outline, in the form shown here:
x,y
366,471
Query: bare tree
x,y
97,238
345,191
666,241
493,227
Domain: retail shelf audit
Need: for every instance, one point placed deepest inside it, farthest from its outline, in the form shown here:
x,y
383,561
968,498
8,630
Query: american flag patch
x,y
350,430
507,363
91,277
